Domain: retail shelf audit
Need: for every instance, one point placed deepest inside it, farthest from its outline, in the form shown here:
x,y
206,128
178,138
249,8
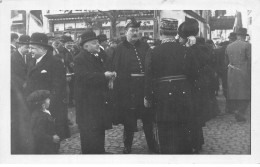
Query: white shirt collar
x,y
13,45
101,47
39,59
20,53
47,111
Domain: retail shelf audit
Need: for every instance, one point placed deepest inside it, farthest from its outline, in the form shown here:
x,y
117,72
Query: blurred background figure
x,y
222,65
239,74
14,39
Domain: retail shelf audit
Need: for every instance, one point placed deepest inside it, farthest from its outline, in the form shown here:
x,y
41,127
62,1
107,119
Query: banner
x,y
37,16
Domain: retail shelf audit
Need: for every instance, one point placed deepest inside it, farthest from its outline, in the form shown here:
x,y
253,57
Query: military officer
x,y
128,61
168,91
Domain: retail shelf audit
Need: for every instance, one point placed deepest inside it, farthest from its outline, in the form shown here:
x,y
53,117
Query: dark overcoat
x,y
43,130
18,70
49,74
129,93
171,100
21,141
91,87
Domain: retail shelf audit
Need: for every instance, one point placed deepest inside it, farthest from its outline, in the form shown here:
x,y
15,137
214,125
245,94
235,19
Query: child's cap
x,y
38,96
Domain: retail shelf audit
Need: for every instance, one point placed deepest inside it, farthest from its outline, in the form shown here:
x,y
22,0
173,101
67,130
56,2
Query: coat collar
x,y
91,58
128,44
40,64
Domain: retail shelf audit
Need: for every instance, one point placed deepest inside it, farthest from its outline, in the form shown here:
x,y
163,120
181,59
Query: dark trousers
x,y
174,139
147,120
92,141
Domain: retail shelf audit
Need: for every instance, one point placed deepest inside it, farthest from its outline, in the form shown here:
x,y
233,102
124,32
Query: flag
x,y
14,13
37,16
238,21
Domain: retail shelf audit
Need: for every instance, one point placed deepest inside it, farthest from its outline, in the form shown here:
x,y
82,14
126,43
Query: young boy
x,y
46,141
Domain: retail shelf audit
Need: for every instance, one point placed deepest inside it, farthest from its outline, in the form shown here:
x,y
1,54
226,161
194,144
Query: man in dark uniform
x,y
128,62
168,91
46,72
91,86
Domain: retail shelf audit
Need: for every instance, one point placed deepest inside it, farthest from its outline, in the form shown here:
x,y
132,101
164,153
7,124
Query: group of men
x,y
168,86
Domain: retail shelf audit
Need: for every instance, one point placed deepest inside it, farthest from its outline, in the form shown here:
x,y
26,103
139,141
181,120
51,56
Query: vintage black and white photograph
x,y
130,81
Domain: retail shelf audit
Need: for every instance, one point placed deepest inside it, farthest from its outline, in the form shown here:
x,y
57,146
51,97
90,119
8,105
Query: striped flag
x,y
238,21
37,16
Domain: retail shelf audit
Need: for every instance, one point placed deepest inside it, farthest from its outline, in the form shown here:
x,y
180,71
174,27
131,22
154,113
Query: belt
x,y
171,78
137,75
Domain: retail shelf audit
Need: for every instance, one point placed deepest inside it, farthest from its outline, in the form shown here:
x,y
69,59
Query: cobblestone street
x,y
222,135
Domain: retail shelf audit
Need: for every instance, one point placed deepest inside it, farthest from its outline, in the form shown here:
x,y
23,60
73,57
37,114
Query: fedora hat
x,y
190,27
24,39
87,36
242,31
38,96
65,39
40,39
102,38
131,22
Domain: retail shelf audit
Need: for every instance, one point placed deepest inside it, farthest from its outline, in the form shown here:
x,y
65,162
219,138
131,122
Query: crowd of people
x,y
171,85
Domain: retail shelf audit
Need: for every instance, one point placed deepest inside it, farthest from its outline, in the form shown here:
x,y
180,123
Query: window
x,y
58,27
69,25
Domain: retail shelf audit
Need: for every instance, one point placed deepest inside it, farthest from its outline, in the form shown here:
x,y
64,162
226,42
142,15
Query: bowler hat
x,y
38,96
87,36
24,39
190,27
131,22
102,37
65,39
242,31
232,35
169,24
40,39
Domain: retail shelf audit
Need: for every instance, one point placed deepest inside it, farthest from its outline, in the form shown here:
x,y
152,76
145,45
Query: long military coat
x,y
239,70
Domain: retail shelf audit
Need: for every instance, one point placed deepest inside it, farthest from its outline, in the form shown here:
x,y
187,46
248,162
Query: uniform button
x,y
183,92
170,94
170,80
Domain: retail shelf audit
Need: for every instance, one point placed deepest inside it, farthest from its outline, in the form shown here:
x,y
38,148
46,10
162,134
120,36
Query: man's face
x,y
47,103
24,49
92,46
37,51
132,34
104,43
69,45
182,41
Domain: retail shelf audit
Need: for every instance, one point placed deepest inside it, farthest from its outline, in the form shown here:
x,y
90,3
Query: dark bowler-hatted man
x,y
128,61
239,74
19,61
168,91
91,86
46,72
21,142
